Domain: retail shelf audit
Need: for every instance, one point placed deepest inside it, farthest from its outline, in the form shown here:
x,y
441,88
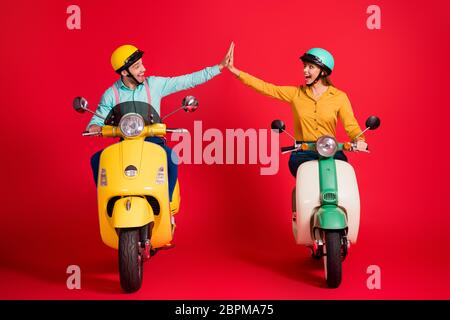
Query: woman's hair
x,y
326,81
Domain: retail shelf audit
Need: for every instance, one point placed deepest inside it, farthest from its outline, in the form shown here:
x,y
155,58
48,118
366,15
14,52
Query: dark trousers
x,y
172,160
298,157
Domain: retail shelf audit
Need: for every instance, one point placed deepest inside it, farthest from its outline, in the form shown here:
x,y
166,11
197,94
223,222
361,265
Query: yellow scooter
x,y
133,196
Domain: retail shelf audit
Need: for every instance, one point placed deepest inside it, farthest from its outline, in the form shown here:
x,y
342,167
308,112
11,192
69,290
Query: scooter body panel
x,y
308,201
131,212
150,182
330,217
176,199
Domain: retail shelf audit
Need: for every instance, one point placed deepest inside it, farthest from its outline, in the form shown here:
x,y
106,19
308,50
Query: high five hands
x,y
228,61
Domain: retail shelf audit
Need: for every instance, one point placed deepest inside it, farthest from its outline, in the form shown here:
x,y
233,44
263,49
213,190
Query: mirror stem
x,y
362,133
95,113
290,135
171,113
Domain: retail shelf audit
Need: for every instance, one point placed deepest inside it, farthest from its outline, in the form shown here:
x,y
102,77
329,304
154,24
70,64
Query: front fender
x,y
330,217
130,212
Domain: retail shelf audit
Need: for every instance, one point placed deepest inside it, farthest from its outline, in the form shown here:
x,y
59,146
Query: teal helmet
x,y
320,57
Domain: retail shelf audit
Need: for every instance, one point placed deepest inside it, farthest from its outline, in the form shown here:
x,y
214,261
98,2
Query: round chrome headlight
x,y
131,124
326,146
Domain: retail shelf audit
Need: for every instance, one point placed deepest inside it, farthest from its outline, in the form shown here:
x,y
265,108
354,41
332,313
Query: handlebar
x,y
347,146
158,130
287,149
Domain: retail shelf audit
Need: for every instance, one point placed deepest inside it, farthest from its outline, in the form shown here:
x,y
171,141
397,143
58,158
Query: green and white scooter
x,y
325,202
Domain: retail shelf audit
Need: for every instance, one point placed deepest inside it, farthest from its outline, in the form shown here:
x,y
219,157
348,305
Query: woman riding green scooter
x,y
316,106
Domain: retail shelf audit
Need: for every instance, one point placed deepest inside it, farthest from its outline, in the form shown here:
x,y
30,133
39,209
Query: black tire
x,y
130,262
333,259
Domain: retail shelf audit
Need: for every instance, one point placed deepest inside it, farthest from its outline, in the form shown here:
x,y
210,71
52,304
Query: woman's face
x,y
310,71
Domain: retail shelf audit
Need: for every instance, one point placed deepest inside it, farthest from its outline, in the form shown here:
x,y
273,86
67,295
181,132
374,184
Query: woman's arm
x,y
348,119
350,123
284,93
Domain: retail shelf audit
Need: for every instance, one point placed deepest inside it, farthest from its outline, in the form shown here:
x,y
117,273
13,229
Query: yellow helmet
x,y
124,56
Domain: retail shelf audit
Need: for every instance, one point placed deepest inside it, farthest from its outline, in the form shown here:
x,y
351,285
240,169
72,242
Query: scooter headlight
x,y
131,124
326,146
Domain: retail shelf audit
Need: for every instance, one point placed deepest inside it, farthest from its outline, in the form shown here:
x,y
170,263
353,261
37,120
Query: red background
x,y
234,238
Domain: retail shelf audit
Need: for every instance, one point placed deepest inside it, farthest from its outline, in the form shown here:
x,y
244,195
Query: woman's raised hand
x,y
230,64
224,63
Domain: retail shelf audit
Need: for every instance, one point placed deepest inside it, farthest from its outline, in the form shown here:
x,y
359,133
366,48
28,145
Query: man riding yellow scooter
x,y
135,213
136,178
127,61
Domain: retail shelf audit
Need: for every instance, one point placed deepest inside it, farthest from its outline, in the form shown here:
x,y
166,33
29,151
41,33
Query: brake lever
x,y
88,134
179,130
296,149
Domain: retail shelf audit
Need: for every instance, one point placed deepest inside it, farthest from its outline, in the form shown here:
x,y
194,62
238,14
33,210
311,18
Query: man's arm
x,y
171,85
174,84
103,109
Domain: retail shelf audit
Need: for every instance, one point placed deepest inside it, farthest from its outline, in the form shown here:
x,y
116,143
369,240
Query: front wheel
x,y
130,260
333,259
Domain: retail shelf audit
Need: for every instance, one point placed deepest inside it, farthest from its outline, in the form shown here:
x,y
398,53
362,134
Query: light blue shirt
x,y
159,88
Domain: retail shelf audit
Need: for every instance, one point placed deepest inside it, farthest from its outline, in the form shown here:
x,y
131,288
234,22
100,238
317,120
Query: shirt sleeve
x,y
348,119
284,93
103,108
171,85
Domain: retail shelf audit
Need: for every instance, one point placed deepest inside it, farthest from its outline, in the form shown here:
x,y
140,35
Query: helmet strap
x,y
130,75
317,79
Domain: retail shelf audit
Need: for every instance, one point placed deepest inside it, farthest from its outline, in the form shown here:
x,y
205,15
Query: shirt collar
x,y
121,85
330,91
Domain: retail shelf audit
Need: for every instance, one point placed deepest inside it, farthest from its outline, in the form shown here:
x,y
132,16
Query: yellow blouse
x,y
312,119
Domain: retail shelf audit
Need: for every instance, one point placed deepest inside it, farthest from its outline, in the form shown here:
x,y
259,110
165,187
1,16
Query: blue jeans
x,y
172,168
299,157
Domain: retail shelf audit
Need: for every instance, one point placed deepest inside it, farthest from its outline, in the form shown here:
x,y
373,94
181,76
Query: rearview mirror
x,y
189,104
80,104
278,126
372,122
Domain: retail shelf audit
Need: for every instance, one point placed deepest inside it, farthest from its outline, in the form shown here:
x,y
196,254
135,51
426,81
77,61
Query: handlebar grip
x,y
284,149
354,149
179,130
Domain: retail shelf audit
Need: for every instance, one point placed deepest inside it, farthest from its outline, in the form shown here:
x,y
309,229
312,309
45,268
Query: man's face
x,y
137,69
